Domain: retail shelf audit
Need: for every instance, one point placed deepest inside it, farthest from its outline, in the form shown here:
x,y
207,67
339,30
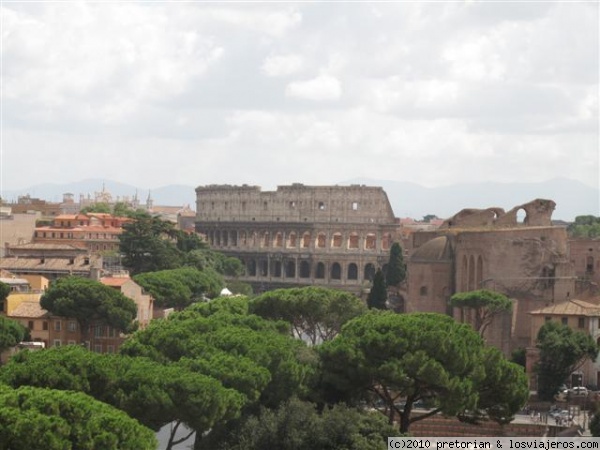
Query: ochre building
x,y
334,236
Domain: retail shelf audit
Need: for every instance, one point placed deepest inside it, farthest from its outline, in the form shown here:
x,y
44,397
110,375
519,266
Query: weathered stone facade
x,y
333,236
489,249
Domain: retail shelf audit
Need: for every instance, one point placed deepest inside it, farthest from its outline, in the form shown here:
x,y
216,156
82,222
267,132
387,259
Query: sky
x,y
273,93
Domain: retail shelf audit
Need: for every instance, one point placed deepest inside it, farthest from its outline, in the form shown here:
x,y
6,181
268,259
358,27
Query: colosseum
x,y
334,236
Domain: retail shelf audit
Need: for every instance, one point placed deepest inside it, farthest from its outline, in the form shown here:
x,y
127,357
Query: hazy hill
x,y
408,199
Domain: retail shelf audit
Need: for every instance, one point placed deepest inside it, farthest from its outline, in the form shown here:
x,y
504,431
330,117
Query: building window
x,y
354,206
30,324
353,241
56,343
98,348
547,319
72,326
110,349
352,271
292,204
99,331
70,342
423,290
581,322
45,326
321,206
306,240
564,320
57,325
370,242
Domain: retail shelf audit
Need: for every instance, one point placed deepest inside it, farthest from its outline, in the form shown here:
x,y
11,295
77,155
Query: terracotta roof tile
x,y
29,309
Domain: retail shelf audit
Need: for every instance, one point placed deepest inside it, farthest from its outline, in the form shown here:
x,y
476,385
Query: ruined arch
x,y
369,272
320,271
304,269
336,271
352,271
321,240
290,269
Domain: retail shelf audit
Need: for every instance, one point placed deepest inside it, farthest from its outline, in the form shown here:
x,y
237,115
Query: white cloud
x,y
282,65
311,92
321,88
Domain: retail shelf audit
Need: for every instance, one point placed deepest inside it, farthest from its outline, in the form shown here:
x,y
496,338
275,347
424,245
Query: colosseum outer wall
x,y
300,235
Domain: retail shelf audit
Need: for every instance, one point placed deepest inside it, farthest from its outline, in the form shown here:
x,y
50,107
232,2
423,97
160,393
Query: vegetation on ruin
x,y
585,227
561,352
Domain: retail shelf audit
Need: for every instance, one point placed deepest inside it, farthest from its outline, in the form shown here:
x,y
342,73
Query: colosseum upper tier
x,y
300,235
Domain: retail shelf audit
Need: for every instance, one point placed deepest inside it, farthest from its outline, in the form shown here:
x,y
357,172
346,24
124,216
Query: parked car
x,y
579,391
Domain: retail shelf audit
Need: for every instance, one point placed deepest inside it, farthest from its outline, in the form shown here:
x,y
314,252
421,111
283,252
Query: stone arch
x,y
521,216
336,240
479,273
352,271
234,238
277,269
290,269
304,269
292,238
321,238
336,271
386,242
306,240
353,240
589,264
278,240
370,241
218,238
264,268
320,271
252,267
265,239
225,238
369,272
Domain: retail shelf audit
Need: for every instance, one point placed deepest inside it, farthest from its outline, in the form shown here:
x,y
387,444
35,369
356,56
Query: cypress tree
x,y
378,295
396,269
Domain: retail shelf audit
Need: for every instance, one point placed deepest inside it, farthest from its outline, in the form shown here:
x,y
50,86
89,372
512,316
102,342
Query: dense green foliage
x,y
377,298
4,291
297,425
562,351
396,269
35,419
153,393
314,313
585,227
410,357
150,244
11,333
484,304
180,287
89,302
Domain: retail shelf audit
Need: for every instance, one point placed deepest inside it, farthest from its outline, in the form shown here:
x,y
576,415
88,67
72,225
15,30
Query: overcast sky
x,y
434,93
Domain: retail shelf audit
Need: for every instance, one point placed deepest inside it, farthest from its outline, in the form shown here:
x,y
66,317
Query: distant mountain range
x,y
572,197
